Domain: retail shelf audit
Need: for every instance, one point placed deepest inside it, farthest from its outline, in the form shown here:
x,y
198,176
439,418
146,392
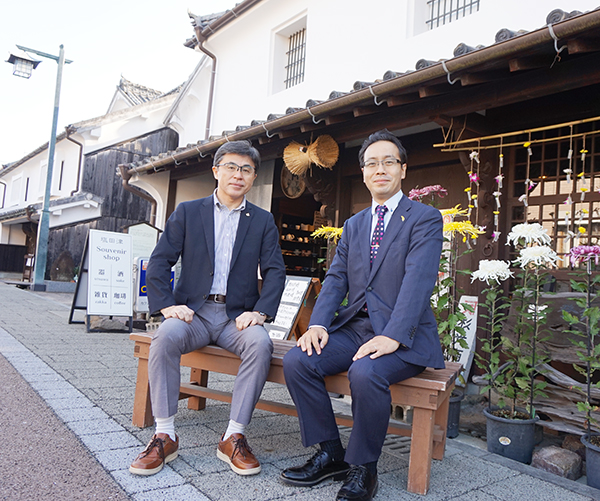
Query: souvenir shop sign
x,y
109,274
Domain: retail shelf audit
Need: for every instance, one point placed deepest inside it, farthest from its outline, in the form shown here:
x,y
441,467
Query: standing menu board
x,y
109,274
291,302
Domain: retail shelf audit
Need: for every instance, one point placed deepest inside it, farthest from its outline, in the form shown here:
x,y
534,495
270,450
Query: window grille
x,y
296,56
445,11
552,188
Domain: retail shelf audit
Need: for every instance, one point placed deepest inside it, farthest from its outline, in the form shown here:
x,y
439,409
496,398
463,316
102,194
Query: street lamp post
x,y
23,68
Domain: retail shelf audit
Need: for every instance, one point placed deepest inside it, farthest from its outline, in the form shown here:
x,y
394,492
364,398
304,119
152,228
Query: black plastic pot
x,y
454,412
511,438
592,462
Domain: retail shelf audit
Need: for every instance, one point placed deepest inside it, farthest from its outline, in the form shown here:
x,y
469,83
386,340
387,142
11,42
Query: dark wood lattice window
x,y
296,56
549,200
445,11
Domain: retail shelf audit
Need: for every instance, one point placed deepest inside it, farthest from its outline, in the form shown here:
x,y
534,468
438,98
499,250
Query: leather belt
x,y
217,298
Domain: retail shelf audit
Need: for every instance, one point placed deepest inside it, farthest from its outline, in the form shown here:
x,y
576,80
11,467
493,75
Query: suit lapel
x,y
207,217
395,226
246,217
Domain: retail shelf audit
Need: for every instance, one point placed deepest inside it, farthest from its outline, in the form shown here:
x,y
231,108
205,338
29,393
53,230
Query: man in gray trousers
x,y
223,241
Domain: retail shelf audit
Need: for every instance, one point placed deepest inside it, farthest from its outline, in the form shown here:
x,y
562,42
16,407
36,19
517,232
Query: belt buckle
x,y
219,299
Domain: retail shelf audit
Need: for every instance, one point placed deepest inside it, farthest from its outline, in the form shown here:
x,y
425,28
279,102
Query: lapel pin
x,y
402,218
247,214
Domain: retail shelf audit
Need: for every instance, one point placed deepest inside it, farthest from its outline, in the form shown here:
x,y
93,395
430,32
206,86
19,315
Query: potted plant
x,y
449,314
512,362
588,351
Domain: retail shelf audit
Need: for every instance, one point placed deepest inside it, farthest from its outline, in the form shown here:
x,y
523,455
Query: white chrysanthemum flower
x,y
492,269
528,233
538,255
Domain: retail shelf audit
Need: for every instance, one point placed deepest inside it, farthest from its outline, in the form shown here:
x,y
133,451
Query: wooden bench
x,y
428,394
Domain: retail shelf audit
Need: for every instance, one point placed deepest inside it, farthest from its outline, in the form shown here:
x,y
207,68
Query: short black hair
x,y
381,135
239,148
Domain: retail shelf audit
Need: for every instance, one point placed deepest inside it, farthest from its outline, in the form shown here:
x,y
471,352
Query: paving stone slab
x,y
109,441
134,484
180,493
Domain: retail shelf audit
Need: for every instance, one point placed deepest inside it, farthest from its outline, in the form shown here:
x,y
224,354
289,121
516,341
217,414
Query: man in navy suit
x,y
222,240
386,264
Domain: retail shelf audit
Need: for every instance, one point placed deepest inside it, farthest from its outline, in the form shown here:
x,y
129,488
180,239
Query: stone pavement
x,y
87,381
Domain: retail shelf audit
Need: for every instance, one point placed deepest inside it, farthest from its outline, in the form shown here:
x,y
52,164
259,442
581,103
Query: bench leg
x,y
421,446
441,420
142,411
199,377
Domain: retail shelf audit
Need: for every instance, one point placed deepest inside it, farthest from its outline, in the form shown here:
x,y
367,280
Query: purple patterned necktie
x,y
378,232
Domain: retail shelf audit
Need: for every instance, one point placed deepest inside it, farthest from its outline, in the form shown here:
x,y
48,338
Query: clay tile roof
x,y
137,94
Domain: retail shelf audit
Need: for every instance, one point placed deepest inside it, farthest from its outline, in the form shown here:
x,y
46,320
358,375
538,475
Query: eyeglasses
x,y
388,163
230,167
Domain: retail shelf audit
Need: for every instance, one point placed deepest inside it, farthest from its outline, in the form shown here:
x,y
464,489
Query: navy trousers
x,y
370,381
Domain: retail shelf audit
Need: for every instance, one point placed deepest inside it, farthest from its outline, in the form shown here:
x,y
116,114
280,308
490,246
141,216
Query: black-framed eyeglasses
x,y
231,167
388,163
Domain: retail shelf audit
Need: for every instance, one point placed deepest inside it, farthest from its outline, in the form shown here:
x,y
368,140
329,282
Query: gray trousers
x,y
210,326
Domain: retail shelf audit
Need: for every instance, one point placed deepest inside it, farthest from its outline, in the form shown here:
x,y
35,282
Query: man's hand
x,y
378,346
180,311
249,318
315,337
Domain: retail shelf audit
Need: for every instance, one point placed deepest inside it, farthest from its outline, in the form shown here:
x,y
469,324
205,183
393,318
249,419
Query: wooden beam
x,y
473,122
434,90
401,99
284,134
583,45
361,111
310,126
336,119
530,63
482,77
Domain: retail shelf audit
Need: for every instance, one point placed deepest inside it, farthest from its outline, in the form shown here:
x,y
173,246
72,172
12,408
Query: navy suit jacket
x,y
189,233
398,287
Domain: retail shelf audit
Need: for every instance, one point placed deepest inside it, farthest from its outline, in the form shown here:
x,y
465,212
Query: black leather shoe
x,y
315,470
360,485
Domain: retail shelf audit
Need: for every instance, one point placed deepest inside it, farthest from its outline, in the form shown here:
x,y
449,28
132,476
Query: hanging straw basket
x,y
296,158
324,152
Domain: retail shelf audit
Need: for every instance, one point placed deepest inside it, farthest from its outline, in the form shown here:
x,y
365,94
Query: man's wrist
x,y
263,314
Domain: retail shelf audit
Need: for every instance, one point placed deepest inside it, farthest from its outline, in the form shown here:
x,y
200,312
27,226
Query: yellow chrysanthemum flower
x,y
328,232
454,211
463,227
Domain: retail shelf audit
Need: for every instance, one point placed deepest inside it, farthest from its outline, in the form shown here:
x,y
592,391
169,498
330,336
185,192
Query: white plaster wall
x,y
34,169
195,187
346,41
134,122
4,233
16,235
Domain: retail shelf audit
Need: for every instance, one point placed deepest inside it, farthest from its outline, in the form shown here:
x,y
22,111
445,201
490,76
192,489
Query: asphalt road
x,y
39,457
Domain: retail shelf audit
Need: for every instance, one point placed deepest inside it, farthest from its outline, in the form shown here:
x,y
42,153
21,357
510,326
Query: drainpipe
x,y
79,166
213,75
138,192
3,195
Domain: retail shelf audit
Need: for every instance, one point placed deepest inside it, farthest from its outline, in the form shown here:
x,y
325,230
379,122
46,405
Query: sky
x,y
141,41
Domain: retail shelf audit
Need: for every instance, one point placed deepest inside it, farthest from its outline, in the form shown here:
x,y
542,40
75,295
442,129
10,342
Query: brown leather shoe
x,y
236,451
159,451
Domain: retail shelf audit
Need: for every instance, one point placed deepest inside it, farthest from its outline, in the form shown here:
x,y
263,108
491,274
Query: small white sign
x,y
109,274
470,326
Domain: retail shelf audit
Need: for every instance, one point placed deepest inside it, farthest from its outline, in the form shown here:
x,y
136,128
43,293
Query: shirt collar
x,y
390,203
221,206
